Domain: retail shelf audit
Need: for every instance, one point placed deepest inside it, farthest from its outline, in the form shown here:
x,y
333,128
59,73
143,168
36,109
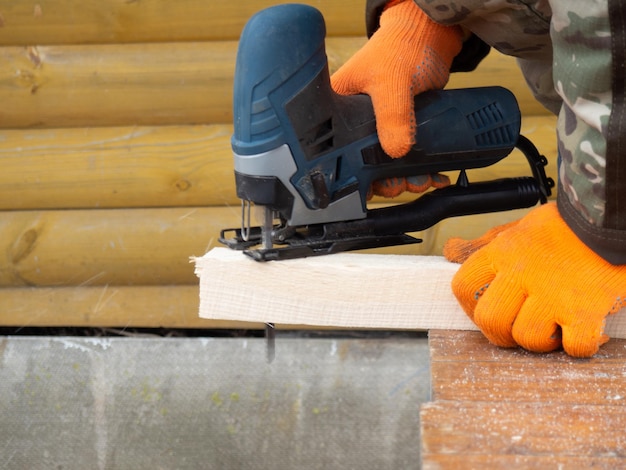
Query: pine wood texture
x,y
116,84
101,306
110,306
125,21
343,290
143,246
161,83
106,167
165,83
121,246
158,166
498,408
98,247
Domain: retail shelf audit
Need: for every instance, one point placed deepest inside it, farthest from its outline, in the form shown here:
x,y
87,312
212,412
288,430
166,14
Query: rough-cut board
x,y
343,290
496,408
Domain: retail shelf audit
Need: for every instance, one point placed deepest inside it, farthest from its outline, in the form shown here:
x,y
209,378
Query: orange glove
x,y
536,285
407,55
458,250
392,187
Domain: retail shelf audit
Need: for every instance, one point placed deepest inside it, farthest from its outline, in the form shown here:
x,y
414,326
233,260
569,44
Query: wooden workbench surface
x,y
507,408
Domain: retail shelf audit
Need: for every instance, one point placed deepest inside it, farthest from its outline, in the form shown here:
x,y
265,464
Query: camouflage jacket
x,y
572,54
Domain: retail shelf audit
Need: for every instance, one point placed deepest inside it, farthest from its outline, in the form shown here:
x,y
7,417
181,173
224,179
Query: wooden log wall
x,y
115,124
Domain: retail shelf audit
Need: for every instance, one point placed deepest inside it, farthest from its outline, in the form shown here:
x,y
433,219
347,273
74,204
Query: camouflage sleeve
x,y
589,53
573,56
514,27
517,28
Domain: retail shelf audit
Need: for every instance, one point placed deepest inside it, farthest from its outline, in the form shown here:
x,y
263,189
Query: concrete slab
x,y
213,403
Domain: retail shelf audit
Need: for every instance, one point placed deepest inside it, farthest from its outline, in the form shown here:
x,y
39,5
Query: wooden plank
x,y
130,84
343,290
112,306
160,166
141,246
161,83
147,246
173,306
448,347
123,21
103,167
540,430
465,367
125,84
518,462
499,407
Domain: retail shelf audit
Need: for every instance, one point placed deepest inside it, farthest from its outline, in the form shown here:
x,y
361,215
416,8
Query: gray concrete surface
x,y
202,403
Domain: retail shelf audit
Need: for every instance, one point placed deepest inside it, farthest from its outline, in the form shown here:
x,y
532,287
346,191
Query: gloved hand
x,y
392,187
536,285
458,250
407,55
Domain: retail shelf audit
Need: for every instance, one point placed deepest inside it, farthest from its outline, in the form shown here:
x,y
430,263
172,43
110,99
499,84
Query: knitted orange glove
x,y
392,187
458,250
407,55
536,285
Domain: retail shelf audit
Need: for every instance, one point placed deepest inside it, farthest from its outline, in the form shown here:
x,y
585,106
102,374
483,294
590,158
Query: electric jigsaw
x,y
308,156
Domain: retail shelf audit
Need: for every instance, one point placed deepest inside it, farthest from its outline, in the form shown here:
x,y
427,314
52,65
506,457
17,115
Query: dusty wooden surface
x,y
507,408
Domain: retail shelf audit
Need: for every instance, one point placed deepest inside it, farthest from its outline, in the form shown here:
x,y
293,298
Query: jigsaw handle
x,y
281,49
